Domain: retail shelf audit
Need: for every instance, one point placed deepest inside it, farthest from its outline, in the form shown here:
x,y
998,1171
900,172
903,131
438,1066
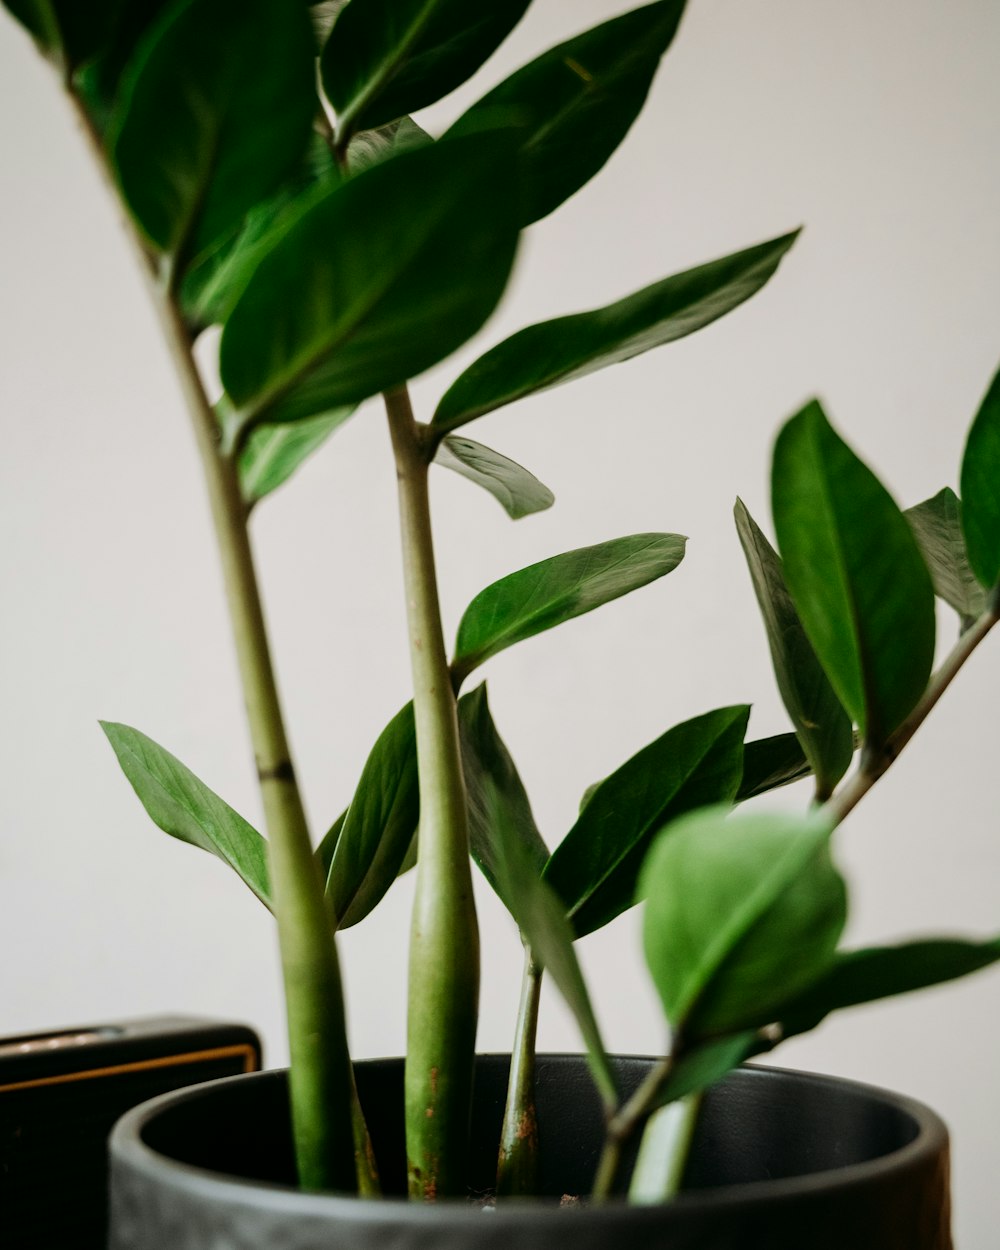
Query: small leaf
x,y
558,589
823,727
273,452
201,133
378,281
855,573
390,57
937,524
981,500
864,976
187,809
769,763
567,348
499,810
595,869
518,492
742,913
379,826
575,104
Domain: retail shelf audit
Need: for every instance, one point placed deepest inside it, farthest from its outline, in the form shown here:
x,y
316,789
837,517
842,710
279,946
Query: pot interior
x,y
758,1124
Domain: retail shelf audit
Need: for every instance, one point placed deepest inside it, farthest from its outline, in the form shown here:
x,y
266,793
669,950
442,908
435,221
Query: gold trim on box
x,y
247,1051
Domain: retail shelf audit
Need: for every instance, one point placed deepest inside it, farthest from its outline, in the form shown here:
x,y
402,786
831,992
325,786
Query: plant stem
x,y
623,1124
874,764
444,948
666,1142
517,1165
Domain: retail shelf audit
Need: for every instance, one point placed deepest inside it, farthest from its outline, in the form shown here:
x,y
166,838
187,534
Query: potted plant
x,y
258,207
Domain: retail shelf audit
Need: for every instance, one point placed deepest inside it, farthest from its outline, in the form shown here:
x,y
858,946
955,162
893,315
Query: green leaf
x,y
556,590
202,133
273,452
385,58
708,1062
371,147
742,913
769,763
823,728
574,105
328,844
937,525
75,30
518,492
187,809
382,278
379,826
981,500
553,352
863,976
499,810
595,869
855,573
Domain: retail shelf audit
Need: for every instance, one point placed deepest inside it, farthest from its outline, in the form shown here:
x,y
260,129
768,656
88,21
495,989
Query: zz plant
x,y
276,186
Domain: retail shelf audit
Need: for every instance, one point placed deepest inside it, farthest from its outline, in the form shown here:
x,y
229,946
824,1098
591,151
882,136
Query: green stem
x,y
875,763
323,1104
624,1123
444,947
517,1166
663,1155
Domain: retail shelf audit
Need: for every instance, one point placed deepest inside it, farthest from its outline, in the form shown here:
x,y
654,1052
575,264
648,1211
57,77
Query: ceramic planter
x,y
781,1161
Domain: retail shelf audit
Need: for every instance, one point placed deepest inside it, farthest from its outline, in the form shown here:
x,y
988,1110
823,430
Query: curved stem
x,y
874,764
624,1123
444,947
517,1165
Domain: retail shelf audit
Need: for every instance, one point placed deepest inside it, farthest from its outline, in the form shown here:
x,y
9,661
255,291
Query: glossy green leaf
x,y
769,763
575,104
203,133
517,491
538,913
707,1062
742,913
863,976
937,524
595,869
553,352
379,826
823,727
556,590
499,810
99,77
382,278
855,573
980,497
385,58
187,809
273,452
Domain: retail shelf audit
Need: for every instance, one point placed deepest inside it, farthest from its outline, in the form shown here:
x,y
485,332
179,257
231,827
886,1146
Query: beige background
x,y
875,124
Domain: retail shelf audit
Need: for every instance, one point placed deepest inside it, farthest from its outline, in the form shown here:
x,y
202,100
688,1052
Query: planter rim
x,y
126,1142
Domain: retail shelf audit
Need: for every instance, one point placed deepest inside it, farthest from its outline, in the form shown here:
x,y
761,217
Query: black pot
x,y
781,1161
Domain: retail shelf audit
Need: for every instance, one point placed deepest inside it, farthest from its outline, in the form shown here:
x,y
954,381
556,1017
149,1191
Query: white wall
x,y
874,124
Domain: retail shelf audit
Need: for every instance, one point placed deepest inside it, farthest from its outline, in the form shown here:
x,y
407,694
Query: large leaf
x,y
574,105
741,914
823,728
937,524
855,573
273,452
556,590
769,763
595,869
385,58
187,809
553,352
382,278
517,491
203,134
380,823
863,976
71,30
499,810
980,497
